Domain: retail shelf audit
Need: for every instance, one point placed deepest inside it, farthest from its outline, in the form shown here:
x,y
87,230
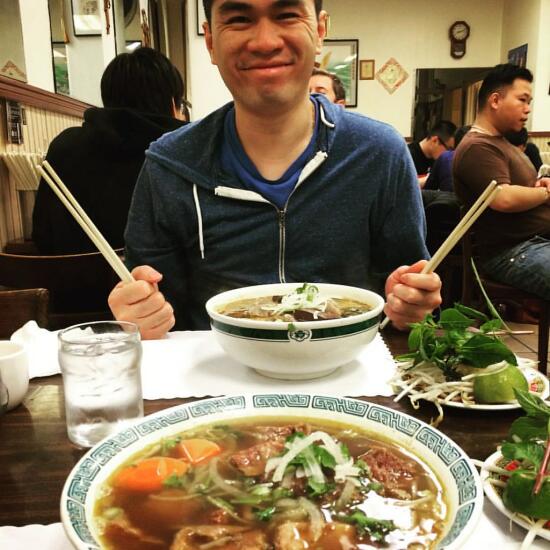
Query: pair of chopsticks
x,y
67,198
461,228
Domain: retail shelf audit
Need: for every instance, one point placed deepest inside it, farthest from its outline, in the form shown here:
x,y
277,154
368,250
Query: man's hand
x,y
141,303
410,295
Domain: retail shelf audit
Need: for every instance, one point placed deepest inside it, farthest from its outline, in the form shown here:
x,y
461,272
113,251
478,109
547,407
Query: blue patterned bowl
x,y
456,473
299,350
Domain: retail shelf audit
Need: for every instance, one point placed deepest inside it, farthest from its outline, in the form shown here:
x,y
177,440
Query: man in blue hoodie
x,y
276,186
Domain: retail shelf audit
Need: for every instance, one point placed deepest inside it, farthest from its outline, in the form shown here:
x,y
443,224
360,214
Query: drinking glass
x,y
100,364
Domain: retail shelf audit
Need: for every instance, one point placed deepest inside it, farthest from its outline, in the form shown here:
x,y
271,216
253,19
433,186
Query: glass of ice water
x,y
100,364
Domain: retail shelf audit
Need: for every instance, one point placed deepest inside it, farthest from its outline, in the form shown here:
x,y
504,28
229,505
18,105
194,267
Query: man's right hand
x,y
142,303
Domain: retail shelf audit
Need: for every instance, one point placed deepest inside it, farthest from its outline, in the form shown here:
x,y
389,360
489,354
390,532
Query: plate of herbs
x,y
458,360
516,478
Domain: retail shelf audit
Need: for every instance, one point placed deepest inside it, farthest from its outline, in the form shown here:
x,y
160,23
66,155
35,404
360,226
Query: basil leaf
x,y
471,312
533,405
481,351
528,428
490,326
453,319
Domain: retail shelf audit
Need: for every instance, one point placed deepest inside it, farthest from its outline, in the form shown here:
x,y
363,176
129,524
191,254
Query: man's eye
x,y
287,15
237,19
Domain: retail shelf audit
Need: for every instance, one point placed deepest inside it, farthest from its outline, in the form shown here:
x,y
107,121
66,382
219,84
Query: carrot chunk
x,y
197,450
149,475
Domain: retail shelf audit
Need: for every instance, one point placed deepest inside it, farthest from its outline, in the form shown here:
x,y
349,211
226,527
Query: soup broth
x,y
260,484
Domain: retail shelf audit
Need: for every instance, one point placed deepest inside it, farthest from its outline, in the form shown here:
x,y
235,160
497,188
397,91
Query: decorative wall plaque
x,y
391,75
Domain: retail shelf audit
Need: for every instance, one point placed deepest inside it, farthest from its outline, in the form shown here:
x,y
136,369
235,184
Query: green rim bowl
x,y
460,481
299,350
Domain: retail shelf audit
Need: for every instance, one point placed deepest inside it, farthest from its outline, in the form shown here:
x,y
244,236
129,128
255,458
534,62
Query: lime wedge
x,y
498,387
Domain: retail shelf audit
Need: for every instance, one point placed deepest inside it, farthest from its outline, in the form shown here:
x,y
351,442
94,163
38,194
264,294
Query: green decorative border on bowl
x,y
289,331
75,492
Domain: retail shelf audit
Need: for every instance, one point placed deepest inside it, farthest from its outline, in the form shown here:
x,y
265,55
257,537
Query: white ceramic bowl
x,y
299,350
460,481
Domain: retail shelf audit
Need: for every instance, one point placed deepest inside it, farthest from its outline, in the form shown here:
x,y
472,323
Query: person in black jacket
x,y
142,94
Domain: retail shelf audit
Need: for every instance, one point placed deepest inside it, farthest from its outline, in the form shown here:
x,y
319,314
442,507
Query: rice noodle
x,y
214,543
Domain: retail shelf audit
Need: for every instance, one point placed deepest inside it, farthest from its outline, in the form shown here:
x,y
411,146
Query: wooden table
x,y
36,455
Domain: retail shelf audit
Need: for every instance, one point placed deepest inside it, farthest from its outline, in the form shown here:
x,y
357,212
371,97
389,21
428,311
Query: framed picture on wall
x,y
518,56
86,17
340,57
201,17
366,70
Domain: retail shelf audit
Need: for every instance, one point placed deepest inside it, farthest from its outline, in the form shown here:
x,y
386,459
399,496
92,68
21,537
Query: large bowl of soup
x,y
264,471
295,331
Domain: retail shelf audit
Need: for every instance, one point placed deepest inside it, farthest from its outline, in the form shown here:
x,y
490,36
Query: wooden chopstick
x,y
461,228
67,198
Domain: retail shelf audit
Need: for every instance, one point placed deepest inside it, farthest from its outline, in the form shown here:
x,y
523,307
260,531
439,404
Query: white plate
x,y
494,494
457,474
538,384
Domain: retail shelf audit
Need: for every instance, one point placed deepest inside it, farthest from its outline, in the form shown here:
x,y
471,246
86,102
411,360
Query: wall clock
x,y
458,34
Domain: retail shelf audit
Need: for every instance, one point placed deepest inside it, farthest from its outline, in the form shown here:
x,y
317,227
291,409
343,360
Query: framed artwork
x,y
86,17
60,69
340,57
366,69
518,56
201,17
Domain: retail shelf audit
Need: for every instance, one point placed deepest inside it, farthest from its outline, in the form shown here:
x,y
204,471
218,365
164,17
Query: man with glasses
x,y
424,153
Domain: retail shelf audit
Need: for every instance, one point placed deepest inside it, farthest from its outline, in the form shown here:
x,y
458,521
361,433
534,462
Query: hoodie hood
x,y
125,131
201,141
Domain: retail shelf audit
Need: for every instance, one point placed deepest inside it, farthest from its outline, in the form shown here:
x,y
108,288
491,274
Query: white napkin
x,y
192,364
493,528
41,347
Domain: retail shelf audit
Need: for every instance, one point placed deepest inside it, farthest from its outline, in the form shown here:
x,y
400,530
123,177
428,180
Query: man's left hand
x,y
410,295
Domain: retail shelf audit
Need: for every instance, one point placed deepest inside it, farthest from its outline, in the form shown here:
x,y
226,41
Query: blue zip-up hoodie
x,y
355,215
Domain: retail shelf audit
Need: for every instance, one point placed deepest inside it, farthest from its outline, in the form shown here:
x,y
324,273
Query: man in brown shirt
x,y
512,234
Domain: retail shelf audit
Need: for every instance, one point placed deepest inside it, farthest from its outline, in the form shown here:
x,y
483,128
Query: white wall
x,y
415,33
207,90
541,107
37,43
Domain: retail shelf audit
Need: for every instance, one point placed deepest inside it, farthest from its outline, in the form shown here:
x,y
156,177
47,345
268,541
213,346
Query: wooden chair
x,y
500,292
20,306
78,284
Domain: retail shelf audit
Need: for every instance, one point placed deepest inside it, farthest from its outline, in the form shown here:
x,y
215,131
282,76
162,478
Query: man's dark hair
x,y
208,8
337,86
144,80
500,77
444,130
517,138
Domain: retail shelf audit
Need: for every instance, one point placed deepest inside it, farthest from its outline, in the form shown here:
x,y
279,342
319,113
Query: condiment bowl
x,y
299,350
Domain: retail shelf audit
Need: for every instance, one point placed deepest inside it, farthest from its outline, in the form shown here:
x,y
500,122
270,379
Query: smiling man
x,y
512,235
275,186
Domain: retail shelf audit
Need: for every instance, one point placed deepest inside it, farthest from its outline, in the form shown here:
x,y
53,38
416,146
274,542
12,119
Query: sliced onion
x,y
345,497
317,521
221,483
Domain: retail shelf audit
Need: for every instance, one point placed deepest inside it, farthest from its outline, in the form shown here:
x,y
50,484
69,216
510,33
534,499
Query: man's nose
x,y
266,38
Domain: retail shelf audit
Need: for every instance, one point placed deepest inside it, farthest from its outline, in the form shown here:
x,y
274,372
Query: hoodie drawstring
x,y
199,219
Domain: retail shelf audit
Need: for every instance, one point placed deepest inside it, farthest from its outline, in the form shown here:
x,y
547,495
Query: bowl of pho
x,y
295,331
273,471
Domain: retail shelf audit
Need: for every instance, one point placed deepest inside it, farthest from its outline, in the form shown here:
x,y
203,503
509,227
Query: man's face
x,y
322,84
438,146
265,49
511,107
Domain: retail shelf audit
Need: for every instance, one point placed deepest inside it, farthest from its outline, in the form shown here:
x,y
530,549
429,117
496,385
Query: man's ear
x,y
208,42
494,100
322,23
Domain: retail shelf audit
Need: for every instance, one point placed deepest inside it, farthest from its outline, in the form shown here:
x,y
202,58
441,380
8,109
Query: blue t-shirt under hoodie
x,y
235,161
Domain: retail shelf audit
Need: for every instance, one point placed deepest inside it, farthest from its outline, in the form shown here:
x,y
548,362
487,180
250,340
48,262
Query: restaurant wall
x,y
207,90
416,34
